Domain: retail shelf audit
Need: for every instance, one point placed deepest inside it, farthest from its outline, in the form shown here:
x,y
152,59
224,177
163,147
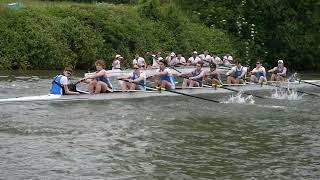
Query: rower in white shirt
x,y
135,80
193,78
166,77
117,62
205,58
227,60
181,60
194,59
279,72
155,59
216,59
258,74
236,74
172,60
139,61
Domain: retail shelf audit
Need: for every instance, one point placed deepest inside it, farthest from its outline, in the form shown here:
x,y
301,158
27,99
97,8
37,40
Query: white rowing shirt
x,y
140,61
193,60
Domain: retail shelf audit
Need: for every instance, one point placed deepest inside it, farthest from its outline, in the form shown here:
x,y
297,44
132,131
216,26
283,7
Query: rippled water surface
x,y
157,138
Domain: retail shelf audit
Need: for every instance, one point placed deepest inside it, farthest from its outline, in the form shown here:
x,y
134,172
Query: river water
x,y
156,138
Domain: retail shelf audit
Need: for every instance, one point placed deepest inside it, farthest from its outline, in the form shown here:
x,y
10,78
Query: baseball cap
x,y
118,56
280,61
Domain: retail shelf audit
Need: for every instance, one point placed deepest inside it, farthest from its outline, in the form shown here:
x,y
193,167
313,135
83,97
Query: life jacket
x,y
56,87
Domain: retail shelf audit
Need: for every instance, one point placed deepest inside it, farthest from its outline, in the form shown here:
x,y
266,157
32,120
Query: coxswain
x,y
279,72
237,73
135,80
60,83
99,81
193,78
258,74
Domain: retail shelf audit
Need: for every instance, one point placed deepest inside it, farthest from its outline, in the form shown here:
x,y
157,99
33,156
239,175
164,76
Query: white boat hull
x,y
144,94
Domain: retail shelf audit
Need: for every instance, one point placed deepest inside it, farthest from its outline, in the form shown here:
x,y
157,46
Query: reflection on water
x,y
157,138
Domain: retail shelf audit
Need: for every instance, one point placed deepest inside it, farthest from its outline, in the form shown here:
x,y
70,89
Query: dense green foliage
x,y
50,37
269,30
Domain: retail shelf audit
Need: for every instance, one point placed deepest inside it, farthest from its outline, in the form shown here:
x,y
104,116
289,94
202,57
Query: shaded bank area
x,y
50,35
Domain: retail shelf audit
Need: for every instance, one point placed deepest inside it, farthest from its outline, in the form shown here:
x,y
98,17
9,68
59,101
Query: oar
x,y
311,83
189,95
147,87
302,92
230,89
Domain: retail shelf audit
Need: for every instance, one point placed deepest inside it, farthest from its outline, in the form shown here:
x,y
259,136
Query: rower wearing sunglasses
x,y
133,81
60,83
258,74
194,78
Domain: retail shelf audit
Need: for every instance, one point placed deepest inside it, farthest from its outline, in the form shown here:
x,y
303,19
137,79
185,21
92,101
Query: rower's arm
x,y
272,70
68,92
139,79
163,73
243,74
229,72
199,76
123,77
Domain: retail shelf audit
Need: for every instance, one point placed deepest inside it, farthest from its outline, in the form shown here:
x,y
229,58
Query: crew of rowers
x,y
99,82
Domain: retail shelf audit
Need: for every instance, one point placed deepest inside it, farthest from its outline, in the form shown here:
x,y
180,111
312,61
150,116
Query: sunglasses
x,y
69,73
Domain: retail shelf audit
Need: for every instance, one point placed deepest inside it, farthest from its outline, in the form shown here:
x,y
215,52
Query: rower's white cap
x,y
118,56
153,55
195,52
121,57
280,61
172,54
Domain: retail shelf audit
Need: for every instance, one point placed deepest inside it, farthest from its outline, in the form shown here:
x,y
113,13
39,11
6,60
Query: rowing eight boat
x,y
144,94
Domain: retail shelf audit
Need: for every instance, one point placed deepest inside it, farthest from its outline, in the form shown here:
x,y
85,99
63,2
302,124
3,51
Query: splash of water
x,y
290,95
239,99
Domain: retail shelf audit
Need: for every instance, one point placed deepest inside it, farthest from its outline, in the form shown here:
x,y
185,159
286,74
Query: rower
x,y
99,81
166,78
139,61
279,72
133,81
194,59
212,76
236,74
194,78
258,74
117,62
60,83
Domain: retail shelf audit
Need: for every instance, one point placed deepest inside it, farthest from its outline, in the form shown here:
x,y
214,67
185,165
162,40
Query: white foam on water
x,y
239,99
290,95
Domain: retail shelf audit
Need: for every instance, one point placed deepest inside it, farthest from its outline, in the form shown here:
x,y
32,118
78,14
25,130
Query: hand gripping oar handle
x,y
147,87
